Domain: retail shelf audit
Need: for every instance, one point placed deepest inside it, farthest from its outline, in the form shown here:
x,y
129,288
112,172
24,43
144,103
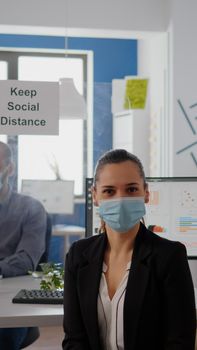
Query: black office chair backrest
x,y
45,255
32,335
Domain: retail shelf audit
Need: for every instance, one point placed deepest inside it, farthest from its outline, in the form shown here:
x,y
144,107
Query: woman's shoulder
x,y
168,257
162,242
89,245
164,247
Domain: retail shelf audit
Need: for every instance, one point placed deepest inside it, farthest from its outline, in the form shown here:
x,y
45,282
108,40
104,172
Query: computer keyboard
x,y
38,296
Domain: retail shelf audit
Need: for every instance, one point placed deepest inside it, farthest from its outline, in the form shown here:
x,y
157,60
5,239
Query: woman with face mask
x,y
126,288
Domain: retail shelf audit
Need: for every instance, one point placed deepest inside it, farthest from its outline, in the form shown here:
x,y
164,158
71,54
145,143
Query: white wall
x,y
152,63
183,61
120,14
137,15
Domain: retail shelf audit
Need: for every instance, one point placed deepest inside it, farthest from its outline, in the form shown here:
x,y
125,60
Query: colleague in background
x,y
22,237
126,288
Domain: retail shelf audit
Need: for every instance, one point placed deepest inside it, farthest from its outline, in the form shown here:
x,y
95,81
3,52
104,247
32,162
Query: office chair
x,y
33,333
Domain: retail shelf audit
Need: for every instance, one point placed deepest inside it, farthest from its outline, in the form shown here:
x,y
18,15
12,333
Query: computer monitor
x,y
170,213
57,196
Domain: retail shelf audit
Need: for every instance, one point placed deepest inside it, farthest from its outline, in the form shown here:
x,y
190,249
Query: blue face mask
x,y
123,213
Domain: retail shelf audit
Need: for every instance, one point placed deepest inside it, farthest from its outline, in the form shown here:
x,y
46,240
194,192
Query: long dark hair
x,y
115,156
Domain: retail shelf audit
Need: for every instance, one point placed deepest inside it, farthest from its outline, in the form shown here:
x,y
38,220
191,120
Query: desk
x,y
67,231
25,315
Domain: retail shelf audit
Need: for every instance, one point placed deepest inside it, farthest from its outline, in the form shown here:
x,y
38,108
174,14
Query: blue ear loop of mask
x,y
123,213
2,175
1,181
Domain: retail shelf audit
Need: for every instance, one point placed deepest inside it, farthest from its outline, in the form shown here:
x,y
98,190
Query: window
x,y
47,157
42,157
55,155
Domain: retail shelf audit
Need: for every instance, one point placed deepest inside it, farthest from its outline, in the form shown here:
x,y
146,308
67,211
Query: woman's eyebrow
x,y
129,184
132,183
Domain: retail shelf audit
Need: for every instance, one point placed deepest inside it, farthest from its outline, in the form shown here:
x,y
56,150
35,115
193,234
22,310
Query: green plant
x,y
52,276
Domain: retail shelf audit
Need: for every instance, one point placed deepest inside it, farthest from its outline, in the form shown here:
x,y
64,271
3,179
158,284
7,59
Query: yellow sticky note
x,y
136,93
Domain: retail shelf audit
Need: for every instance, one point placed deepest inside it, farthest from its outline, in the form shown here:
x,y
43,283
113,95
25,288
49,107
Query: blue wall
x,y
113,59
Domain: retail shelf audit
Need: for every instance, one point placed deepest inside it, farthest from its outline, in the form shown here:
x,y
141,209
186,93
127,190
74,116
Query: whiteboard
x,y
57,196
172,210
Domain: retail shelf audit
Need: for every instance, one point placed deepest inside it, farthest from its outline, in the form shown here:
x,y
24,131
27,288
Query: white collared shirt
x,y
110,313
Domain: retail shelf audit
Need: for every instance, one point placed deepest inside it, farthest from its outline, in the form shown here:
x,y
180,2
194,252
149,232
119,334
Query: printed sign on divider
x,y
29,107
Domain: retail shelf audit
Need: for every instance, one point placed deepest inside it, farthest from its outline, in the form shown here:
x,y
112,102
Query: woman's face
x,y
120,180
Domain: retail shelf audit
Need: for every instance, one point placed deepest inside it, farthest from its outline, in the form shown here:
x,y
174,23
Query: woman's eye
x,y
132,189
108,191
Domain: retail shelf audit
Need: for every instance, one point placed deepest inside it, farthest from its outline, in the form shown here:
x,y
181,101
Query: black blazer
x,y
159,308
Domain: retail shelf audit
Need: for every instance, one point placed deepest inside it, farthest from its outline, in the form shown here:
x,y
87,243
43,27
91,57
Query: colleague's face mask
x,y
123,213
